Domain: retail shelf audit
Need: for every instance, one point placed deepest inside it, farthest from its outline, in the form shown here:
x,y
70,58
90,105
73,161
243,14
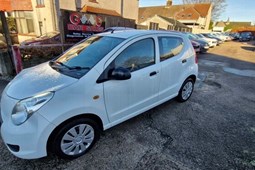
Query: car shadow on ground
x,y
249,48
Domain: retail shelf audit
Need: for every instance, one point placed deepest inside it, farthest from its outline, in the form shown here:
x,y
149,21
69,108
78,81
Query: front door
x,y
127,98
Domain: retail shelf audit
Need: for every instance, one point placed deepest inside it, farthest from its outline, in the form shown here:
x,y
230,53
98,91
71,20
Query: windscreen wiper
x,y
59,63
70,68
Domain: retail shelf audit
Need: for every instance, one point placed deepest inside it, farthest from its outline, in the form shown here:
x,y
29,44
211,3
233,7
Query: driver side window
x,y
139,55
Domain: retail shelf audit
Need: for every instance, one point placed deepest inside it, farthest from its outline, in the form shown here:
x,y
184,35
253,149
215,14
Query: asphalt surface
x,y
215,129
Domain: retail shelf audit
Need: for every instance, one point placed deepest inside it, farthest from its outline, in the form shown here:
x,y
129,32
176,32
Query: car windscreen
x,y
78,60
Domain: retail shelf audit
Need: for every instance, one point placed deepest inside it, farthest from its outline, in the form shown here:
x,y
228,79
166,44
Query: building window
x,y
40,3
24,22
154,26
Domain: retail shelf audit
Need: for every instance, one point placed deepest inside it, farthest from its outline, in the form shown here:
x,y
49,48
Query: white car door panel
x,y
172,66
126,98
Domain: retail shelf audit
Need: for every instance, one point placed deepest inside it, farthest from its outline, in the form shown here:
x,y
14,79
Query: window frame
x,y
154,26
40,4
159,48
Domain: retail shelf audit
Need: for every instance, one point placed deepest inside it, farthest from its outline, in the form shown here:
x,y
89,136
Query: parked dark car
x,y
204,46
48,38
196,46
245,36
235,36
219,41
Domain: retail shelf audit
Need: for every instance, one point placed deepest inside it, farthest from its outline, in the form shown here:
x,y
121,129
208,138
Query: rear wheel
x,y
75,138
186,90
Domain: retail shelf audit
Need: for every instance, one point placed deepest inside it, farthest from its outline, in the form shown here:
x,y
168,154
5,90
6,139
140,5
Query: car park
x,y
100,82
212,42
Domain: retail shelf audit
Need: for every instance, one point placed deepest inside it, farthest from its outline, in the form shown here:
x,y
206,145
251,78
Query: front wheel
x,y
76,138
186,90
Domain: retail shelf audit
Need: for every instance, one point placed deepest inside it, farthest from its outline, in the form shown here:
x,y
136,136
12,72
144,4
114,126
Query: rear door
x,y
173,61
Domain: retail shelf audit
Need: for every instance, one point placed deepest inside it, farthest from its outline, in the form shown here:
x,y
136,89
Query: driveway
x,y
215,129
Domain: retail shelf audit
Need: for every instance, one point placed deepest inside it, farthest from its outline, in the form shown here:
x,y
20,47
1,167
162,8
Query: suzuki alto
x,y
61,106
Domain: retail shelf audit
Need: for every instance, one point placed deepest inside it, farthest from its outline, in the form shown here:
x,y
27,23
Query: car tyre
x,y
75,138
186,90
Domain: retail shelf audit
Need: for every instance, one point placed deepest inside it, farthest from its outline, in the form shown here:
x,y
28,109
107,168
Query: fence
x,y
34,55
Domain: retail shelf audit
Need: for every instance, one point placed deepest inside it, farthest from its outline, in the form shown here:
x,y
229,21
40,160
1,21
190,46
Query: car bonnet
x,y
36,80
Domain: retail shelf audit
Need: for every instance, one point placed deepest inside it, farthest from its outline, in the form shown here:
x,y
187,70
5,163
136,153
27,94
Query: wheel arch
x,y
92,116
193,77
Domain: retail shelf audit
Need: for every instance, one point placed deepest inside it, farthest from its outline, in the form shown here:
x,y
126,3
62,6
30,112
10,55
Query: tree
x,y
218,7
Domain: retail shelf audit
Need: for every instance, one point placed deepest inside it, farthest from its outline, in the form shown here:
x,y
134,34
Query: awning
x,y
96,10
15,5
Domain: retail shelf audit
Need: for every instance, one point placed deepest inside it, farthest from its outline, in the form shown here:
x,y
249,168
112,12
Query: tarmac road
x,y
215,129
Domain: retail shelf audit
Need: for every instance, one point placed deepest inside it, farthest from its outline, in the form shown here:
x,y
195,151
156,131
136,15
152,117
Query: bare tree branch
x,y
219,6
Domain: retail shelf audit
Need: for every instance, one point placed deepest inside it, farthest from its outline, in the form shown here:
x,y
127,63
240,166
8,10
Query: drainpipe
x,y
122,8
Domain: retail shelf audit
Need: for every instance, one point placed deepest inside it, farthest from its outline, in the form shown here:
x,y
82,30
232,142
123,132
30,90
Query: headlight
x,y
25,108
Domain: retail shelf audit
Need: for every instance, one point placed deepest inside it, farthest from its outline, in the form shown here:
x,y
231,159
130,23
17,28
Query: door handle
x,y
184,61
153,73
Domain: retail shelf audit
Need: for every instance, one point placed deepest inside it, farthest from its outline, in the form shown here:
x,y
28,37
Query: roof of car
x,y
136,33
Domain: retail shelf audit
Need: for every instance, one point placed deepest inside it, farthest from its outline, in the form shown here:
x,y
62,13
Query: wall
x,y
218,29
198,31
44,15
162,23
208,18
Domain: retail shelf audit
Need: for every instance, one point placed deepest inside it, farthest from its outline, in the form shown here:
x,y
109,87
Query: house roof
x,y
171,11
236,25
96,10
188,14
173,22
16,5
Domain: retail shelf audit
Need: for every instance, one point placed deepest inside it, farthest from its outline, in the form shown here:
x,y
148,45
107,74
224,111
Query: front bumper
x,y
28,140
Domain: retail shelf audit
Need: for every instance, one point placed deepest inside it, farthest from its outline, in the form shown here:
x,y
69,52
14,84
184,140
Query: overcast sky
x,y
237,10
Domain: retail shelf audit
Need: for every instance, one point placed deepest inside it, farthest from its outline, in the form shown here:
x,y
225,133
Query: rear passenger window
x,y
170,47
137,56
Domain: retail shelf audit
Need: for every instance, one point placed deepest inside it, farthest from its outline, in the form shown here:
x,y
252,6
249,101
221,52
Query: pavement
x,y
215,129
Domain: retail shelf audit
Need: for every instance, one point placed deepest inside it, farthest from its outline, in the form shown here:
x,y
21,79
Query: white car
x,y
219,35
61,106
212,42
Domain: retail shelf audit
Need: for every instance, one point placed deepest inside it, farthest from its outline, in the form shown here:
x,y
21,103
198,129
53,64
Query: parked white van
x,y
63,105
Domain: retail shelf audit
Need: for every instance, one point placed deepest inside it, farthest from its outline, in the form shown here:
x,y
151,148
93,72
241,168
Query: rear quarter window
x,y
170,47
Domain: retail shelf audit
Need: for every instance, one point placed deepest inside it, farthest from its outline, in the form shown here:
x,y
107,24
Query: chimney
x,y
169,3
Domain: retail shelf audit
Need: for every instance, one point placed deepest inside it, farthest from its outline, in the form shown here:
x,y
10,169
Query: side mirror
x,y
120,73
